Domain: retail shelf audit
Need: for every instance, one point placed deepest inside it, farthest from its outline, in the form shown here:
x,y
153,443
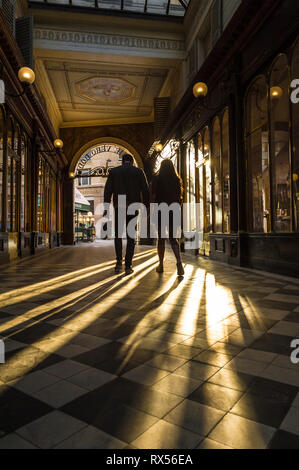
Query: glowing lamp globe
x,y
58,144
200,89
276,92
26,75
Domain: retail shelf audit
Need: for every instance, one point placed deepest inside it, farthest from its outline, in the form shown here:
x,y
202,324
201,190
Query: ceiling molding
x,y
107,122
45,38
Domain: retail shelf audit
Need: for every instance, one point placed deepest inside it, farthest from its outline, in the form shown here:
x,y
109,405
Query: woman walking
x,y
168,188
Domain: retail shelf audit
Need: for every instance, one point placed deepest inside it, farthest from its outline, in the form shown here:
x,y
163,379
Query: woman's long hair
x,y
169,183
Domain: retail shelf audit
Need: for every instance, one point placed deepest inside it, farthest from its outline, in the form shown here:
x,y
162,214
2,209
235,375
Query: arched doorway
x,y
89,170
102,141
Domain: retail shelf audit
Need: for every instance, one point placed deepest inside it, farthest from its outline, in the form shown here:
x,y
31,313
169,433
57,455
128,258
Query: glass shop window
x,y
53,204
60,207
280,145
295,128
191,188
40,196
23,201
1,165
47,199
11,178
200,169
257,138
217,178
226,172
207,181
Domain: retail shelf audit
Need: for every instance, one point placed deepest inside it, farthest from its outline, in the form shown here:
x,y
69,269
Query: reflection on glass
x,y
28,187
200,165
225,173
10,176
207,182
258,157
295,176
47,199
280,139
53,204
15,167
216,148
1,164
40,195
23,186
191,191
59,208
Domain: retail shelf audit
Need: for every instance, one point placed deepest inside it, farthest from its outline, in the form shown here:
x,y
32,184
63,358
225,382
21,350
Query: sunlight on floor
x,y
28,292
173,320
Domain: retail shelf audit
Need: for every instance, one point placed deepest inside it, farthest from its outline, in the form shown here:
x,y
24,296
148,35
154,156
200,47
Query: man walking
x,y
129,181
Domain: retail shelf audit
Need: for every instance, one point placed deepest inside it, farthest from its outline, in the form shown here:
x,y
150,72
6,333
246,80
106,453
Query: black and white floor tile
x,y
98,360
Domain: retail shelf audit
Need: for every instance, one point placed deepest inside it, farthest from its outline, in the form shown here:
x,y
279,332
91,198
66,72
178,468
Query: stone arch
x,y
101,141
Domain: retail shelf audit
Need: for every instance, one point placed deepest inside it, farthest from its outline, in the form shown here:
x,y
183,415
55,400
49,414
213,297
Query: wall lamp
x,y
27,77
276,92
200,91
58,144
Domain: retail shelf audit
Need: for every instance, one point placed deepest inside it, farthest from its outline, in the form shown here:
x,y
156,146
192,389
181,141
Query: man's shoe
x,y
118,268
181,270
129,270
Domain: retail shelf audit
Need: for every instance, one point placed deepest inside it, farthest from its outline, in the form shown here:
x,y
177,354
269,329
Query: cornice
x,y
109,43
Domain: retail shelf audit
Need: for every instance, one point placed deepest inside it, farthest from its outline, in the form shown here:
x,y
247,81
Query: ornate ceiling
x,y
96,93
98,73
105,90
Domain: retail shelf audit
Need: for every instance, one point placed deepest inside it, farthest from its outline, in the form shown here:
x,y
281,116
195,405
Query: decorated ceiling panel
x,y
90,91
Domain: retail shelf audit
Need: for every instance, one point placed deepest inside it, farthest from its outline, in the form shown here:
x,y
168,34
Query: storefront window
x,y
15,161
207,181
53,204
200,165
191,190
47,206
11,173
217,179
225,172
295,124
40,196
59,207
28,195
18,178
23,182
1,165
280,145
258,156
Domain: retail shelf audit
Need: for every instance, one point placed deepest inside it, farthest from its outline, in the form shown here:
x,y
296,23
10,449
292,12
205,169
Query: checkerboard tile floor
x,y
98,360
